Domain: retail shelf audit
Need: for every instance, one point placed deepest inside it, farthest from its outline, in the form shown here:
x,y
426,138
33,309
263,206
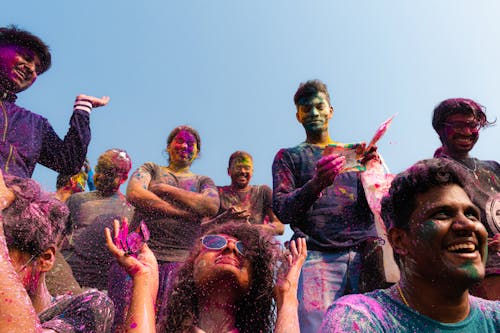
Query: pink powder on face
x,y
133,325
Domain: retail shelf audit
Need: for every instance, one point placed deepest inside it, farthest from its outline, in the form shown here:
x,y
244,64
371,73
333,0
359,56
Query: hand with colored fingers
x,y
288,277
144,265
327,168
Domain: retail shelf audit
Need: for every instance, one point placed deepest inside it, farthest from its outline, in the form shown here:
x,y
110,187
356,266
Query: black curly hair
x,y
400,202
12,35
255,310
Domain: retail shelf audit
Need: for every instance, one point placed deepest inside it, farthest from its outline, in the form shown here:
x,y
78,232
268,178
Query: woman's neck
x,y
217,314
179,169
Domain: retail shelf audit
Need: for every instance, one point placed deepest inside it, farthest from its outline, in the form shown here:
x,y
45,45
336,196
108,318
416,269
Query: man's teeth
x,y
467,247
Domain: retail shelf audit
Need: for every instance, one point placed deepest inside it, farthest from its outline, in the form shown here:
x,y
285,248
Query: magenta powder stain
x,y
133,325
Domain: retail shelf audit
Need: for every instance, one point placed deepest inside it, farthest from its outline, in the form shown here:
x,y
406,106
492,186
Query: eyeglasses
x,y
461,125
217,242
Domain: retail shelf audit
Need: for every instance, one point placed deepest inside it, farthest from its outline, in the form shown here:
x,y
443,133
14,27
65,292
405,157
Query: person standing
x,y
90,213
245,202
440,245
458,121
323,204
28,138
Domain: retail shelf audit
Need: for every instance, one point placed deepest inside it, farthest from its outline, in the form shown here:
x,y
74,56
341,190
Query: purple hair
x,y
35,220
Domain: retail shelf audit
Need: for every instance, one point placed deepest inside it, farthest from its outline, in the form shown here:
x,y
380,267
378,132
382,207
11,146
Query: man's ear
x,y
330,115
399,241
47,259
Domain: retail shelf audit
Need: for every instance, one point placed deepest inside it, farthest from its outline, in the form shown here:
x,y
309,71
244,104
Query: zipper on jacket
x,y
6,122
8,159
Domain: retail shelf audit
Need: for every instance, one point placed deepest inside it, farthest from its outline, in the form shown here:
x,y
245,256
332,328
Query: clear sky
x,y
230,69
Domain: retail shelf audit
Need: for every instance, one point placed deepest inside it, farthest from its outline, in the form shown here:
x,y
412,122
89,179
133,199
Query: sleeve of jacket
x,y
66,156
290,203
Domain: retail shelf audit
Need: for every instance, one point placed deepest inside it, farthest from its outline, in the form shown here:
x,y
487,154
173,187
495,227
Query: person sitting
x,y
90,213
245,202
32,226
225,285
441,247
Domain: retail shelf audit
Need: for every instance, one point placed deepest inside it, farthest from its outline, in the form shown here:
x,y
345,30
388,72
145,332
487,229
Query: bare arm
x,y
272,224
16,310
205,203
144,273
287,320
140,196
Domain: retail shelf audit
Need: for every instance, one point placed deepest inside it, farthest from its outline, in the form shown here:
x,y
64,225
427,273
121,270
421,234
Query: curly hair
x,y
35,220
12,35
112,166
309,89
400,202
453,106
255,310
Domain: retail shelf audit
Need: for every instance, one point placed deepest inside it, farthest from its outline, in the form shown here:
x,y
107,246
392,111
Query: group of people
x,y
202,258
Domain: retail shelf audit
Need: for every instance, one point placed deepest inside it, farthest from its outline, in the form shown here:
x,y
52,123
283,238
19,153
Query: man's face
x,y
460,133
446,240
241,172
18,67
313,113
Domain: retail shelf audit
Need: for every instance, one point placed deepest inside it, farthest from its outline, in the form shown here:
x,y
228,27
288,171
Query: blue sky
x,y
230,69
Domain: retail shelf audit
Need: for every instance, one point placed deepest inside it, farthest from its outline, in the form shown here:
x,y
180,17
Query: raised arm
x,y
291,201
67,156
139,195
287,320
144,273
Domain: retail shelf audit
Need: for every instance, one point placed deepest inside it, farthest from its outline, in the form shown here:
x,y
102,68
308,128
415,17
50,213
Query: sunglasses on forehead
x,y
218,242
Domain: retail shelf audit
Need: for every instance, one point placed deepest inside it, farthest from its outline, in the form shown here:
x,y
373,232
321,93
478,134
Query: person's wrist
x,y
83,105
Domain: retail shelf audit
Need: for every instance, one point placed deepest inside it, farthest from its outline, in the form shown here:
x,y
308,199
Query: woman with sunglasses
x,y
227,284
172,201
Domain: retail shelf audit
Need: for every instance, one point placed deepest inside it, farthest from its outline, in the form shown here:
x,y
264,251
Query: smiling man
x,y
28,138
241,201
458,122
326,206
441,248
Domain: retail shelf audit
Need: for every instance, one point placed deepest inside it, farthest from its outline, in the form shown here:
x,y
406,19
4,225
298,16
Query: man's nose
x,y
31,67
464,224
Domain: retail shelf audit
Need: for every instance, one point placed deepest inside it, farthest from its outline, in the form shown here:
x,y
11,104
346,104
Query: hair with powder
x,y
12,35
35,220
112,167
255,310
